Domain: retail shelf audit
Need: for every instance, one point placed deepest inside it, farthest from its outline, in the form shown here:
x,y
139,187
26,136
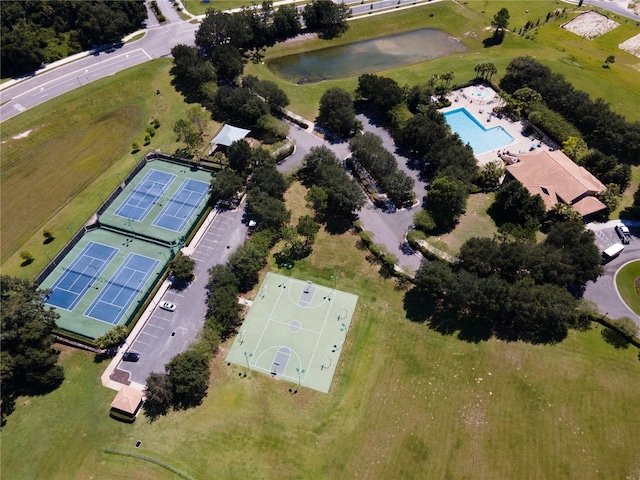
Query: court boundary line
x,y
94,277
135,291
171,200
165,186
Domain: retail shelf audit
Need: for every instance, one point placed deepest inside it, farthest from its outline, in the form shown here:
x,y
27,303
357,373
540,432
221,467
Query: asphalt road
x,y
157,42
165,334
603,291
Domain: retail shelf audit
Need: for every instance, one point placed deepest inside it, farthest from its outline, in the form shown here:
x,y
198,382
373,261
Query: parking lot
x,y
603,291
165,333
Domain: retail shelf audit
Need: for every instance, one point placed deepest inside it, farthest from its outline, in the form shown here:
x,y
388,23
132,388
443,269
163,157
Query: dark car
x,y
130,356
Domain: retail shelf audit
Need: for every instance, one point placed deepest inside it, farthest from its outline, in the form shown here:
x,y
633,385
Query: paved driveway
x,y
603,291
165,334
389,228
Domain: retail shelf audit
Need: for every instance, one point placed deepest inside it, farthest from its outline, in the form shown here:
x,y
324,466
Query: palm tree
x,y
480,68
447,77
432,80
490,70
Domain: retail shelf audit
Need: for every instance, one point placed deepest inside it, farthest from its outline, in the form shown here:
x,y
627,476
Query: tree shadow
x,y
27,262
48,240
421,308
496,39
338,224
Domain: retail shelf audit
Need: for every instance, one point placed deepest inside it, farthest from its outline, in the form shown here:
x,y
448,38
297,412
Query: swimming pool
x,y
473,132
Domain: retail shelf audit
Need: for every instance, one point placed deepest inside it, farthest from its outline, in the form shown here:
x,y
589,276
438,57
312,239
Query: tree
x,y
181,268
189,376
269,212
27,257
228,60
240,105
500,21
286,22
158,394
344,195
327,18
269,180
246,263
577,258
226,185
514,204
48,236
113,338
446,200
275,97
336,112
435,279
490,175
610,197
384,93
316,198
29,363
308,228
623,329
239,156
191,69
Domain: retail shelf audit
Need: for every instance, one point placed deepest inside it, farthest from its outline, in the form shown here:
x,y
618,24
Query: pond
x,y
368,56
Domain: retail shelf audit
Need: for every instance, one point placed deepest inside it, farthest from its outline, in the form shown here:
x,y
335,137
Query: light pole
x,y
343,328
48,257
118,175
163,254
247,356
288,266
335,279
128,222
70,228
101,199
300,372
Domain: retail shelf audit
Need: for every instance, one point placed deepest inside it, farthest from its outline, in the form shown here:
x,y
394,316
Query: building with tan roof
x,y
127,403
558,179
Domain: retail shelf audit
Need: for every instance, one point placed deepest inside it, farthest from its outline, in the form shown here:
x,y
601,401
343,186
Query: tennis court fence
x,y
94,224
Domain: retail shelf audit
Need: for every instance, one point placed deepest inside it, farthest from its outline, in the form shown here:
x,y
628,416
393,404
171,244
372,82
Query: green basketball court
x,y
295,330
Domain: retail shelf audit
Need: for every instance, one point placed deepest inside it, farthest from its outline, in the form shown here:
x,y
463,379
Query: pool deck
x,y
481,109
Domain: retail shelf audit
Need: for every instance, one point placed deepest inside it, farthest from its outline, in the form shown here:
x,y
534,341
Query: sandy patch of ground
x,y
590,25
632,45
21,135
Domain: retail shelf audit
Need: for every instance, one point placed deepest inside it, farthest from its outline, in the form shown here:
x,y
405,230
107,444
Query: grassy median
x,y
627,281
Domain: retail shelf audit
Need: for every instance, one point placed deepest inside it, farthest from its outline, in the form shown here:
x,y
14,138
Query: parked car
x,y
130,356
168,306
623,232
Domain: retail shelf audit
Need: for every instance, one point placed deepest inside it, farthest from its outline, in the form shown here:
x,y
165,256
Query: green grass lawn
x,y
626,283
51,176
405,401
475,223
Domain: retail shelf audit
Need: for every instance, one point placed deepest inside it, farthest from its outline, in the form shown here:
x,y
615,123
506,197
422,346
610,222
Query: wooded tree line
x,y
29,363
513,290
601,128
38,32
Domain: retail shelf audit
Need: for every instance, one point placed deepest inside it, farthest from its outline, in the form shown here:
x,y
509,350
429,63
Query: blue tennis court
x,y
145,195
175,215
74,283
122,289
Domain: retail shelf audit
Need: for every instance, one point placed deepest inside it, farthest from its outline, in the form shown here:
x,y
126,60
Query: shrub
x,y
27,257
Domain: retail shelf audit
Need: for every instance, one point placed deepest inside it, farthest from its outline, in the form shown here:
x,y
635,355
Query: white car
x,y
623,232
168,306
